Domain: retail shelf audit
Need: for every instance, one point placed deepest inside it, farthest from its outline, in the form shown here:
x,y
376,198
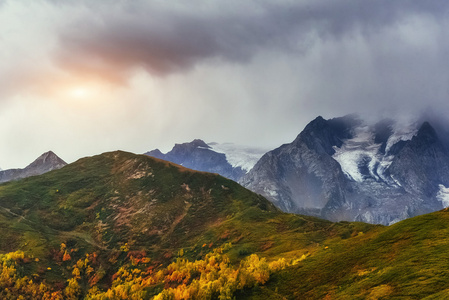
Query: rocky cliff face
x,y
228,160
343,169
43,164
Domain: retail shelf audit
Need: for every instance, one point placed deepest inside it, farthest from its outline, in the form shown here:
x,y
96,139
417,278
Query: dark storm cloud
x,y
217,70
114,39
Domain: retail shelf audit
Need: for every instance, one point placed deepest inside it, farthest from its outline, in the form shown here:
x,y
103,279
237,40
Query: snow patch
x,y
443,195
206,148
384,164
401,132
360,158
396,181
356,152
239,156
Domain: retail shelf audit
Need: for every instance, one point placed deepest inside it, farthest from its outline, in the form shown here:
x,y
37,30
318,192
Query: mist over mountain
x,y
347,169
375,170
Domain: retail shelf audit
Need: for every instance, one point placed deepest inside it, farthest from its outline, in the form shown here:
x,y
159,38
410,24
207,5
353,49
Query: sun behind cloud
x,y
79,93
84,92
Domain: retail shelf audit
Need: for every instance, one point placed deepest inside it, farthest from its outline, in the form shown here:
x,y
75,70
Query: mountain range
x,y
229,160
126,226
342,169
115,210
48,161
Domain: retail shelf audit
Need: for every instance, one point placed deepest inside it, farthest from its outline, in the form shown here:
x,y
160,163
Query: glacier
x,y
360,156
348,169
355,152
241,156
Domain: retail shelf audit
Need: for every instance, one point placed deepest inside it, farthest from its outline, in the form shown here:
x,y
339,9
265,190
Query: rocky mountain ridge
x,y
48,161
127,217
344,169
143,228
229,160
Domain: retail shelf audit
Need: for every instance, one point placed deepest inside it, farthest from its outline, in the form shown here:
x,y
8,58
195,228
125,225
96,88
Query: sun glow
x,y
79,93
86,93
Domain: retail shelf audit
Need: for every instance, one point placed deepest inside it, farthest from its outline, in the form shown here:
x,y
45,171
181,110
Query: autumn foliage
x,y
210,278
213,277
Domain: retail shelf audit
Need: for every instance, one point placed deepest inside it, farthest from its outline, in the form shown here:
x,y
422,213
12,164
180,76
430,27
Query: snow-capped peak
x,y
358,152
239,156
360,157
401,132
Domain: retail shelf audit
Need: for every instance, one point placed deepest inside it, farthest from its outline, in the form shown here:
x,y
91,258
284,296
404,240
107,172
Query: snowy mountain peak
x,y
359,156
244,157
401,132
369,153
229,160
347,169
199,144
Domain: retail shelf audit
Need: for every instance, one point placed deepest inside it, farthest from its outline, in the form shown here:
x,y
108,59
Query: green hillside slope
x,y
408,260
126,226
120,203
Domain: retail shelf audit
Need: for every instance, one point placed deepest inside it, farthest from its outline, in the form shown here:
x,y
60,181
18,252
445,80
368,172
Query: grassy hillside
x,y
119,203
116,198
408,260
125,226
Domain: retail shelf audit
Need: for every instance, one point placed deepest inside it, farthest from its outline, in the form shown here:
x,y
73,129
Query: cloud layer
x,y
166,38
163,72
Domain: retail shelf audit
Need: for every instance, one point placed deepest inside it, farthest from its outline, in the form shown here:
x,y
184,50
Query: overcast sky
x,y
84,77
